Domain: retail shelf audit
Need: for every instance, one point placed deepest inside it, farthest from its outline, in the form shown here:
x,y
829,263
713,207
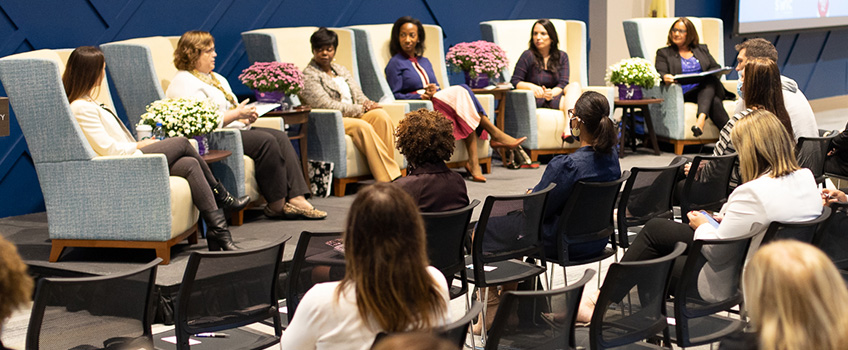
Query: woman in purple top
x,y
685,55
543,69
411,77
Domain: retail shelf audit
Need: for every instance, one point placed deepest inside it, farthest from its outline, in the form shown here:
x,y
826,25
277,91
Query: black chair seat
x,y
707,329
606,253
506,271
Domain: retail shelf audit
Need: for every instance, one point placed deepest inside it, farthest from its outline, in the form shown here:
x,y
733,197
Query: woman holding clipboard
x,y
684,54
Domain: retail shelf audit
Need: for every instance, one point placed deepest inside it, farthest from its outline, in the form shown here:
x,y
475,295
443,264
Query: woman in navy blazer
x,y
684,54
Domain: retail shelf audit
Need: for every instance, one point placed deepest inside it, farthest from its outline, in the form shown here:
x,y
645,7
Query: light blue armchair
x,y
92,201
673,119
141,70
542,126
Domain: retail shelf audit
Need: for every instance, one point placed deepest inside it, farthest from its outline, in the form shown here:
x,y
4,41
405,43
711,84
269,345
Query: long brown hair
x,y
83,72
763,89
386,257
553,60
692,38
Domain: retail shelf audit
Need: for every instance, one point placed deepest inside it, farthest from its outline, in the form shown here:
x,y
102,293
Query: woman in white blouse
x,y
108,136
278,170
387,286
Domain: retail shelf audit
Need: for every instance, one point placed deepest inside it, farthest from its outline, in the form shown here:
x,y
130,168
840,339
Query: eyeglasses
x,y
678,31
572,117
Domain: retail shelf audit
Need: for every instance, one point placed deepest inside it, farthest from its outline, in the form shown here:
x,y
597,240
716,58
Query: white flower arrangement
x,y
185,117
633,71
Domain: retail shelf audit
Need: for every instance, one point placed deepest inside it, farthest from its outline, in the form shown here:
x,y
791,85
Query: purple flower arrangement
x,y
273,76
477,58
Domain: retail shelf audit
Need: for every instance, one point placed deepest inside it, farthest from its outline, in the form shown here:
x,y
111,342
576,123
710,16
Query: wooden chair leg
x,y
192,239
339,188
486,165
236,218
678,148
164,252
55,251
534,155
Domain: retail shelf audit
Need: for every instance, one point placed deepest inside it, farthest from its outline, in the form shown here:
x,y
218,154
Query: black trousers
x,y
184,161
278,170
709,95
657,239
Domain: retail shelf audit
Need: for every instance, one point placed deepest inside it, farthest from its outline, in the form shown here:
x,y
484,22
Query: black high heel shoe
x,y
697,131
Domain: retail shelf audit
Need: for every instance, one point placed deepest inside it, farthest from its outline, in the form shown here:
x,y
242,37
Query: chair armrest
x,y
520,116
488,103
124,198
326,141
668,115
271,123
417,104
730,85
396,111
230,170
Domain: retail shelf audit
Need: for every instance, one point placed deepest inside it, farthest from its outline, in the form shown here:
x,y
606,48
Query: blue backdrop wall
x,y
27,25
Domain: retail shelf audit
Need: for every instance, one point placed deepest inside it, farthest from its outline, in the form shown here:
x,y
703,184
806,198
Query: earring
x,y
575,132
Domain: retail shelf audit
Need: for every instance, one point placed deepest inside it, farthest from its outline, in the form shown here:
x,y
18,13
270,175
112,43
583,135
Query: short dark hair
x,y
593,110
425,136
692,38
758,48
394,45
324,37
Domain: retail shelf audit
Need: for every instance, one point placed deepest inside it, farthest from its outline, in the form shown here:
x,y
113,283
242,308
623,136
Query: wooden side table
x,y
629,107
295,116
215,155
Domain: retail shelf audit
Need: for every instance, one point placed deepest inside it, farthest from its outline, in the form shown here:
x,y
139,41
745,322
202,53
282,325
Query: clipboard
x,y
694,78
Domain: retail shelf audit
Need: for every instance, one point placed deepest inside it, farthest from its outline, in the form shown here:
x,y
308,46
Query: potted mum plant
x,y
631,75
186,117
479,60
273,82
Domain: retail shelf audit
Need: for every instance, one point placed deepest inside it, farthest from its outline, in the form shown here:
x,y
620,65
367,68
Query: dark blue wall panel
x,y
37,24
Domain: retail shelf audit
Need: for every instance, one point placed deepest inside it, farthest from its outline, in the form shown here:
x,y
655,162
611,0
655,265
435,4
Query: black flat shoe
x,y
697,131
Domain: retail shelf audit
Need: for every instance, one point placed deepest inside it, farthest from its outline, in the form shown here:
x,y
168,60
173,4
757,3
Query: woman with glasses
x,y
685,54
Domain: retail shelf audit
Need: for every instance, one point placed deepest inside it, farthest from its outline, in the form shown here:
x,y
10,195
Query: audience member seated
x,y
596,160
797,106
387,287
15,283
837,158
108,136
414,341
796,299
425,138
774,188
278,170
685,54
543,69
411,77
331,86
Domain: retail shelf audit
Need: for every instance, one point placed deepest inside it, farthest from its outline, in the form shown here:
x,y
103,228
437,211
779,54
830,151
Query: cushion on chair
x,y
183,212
551,124
251,187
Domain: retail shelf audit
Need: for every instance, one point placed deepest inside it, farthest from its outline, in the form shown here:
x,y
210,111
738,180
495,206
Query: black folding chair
x,y
93,312
553,312
647,194
812,152
446,235
318,257
227,290
707,185
809,231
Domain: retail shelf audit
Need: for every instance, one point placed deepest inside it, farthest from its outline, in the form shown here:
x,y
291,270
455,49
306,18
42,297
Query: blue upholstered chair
x,y
141,70
326,140
372,55
673,119
542,126
92,201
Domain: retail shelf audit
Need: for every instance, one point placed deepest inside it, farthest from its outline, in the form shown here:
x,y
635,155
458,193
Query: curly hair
x,y
425,136
15,283
189,48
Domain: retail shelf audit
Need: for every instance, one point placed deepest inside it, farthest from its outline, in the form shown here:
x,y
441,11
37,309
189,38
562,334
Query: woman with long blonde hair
x,y
796,299
388,285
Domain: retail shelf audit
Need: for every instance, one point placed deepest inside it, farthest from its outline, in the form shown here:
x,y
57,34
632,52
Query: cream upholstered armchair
x,y
141,70
92,201
326,140
372,54
673,119
542,126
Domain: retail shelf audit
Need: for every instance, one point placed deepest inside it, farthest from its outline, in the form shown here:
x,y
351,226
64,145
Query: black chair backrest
x,y
510,227
93,312
833,240
553,313
805,231
319,257
631,305
710,283
446,234
707,184
225,290
588,215
646,195
811,153
457,331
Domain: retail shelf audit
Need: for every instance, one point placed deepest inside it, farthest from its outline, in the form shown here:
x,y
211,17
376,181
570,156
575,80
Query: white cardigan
x,y
185,84
321,323
104,132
